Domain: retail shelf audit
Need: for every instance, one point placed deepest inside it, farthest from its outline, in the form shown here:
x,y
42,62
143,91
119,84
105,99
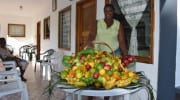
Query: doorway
x,y
86,17
38,39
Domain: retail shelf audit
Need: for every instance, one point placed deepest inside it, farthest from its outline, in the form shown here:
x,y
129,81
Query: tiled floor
x,y
36,85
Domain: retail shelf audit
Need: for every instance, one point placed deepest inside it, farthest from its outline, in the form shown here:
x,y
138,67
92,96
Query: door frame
x,y
79,21
38,37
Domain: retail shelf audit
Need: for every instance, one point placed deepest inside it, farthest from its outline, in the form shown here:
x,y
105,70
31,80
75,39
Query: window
x,y
144,27
54,5
47,28
16,30
64,36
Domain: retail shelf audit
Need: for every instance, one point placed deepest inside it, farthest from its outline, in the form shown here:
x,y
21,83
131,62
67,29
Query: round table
x,y
98,93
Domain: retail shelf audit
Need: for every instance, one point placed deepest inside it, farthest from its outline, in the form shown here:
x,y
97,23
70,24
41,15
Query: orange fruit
x,y
116,76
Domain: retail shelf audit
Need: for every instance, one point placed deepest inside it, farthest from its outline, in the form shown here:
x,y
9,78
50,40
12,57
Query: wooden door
x,y
38,39
86,16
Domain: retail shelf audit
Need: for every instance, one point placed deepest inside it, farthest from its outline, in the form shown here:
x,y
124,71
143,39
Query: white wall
x,y
53,41
16,42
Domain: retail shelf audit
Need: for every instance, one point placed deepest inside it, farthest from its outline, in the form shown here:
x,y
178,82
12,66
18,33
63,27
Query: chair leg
x,y
42,70
35,67
24,95
51,68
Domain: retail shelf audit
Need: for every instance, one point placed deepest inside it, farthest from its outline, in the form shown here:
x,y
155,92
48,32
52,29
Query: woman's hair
x,y
2,41
109,6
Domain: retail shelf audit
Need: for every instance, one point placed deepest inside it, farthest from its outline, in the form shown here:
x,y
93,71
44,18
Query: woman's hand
x,y
90,44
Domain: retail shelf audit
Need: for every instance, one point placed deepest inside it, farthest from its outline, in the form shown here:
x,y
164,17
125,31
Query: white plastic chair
x,y
56,61
10,82
43,58
52,65
12,64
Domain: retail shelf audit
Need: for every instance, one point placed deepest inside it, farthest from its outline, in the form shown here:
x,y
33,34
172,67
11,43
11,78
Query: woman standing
x,y
110,31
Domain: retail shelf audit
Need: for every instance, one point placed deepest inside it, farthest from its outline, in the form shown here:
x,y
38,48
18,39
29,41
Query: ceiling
x,y
29,8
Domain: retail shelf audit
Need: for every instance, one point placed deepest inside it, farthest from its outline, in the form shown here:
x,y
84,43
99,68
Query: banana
x,y
123,83
109,84
80,84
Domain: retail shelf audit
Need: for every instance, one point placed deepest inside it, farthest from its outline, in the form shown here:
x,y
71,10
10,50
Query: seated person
x,y
6,55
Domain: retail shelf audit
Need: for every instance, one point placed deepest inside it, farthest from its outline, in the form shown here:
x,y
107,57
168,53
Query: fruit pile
x,y
128,59
101,69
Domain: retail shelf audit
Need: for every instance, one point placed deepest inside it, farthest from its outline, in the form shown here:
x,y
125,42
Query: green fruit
x,y
87,80
134,81
63,74
83,79
66,57
100,79
98,67
66,63
92,70
67,69
110,72
86,51
91,80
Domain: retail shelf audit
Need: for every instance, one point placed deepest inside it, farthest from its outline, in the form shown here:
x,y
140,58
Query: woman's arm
x,y
92,34
4,52
121,40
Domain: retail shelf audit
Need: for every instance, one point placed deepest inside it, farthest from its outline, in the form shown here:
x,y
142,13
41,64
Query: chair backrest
x,y
13,82
33,49
56,63
24,52
10,65
32,52
24,49
46,54
50,52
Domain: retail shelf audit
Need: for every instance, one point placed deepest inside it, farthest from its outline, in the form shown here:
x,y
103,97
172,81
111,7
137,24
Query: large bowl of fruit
x,y
95,69
100,69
